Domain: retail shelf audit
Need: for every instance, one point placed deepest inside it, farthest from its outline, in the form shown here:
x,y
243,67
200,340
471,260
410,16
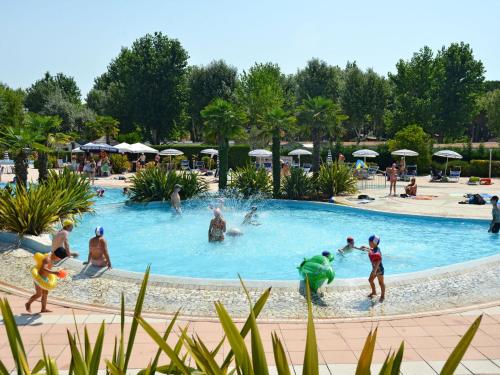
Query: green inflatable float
x,y
318,269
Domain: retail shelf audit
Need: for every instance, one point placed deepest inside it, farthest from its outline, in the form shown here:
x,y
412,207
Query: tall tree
x,y
145,85
377,95
37,95
206,83
460,81
73,115
260,90
353,98
11,106
319,116
223,121
489,104
276,122
414,88
318,79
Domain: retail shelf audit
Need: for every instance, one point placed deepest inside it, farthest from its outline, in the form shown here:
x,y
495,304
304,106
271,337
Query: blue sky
x,y
81,38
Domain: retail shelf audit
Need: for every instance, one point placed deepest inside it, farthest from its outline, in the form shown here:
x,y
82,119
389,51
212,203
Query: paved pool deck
x,y
428,339
429,336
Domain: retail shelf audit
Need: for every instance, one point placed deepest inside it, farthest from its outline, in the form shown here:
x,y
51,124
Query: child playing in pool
x,y
44,271
349,246
375,257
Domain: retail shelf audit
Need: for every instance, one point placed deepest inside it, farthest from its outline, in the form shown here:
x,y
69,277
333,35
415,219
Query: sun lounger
x,y
307,167
454,175
185,165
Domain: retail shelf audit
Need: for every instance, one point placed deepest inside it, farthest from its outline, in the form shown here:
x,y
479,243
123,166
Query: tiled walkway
x,y
428,340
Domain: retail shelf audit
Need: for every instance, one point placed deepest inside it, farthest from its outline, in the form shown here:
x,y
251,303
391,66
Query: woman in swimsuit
x,y
217,227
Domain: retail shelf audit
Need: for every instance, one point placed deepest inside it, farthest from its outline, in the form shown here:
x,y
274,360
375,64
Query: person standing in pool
x,y
495,213
375,257
217,227
60,243
175,198
98,250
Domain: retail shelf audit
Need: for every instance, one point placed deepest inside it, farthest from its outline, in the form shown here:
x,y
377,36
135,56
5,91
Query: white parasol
x,y
448,154
365,153
298,152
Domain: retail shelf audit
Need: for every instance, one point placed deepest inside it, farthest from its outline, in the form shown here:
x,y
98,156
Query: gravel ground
x,y
473,286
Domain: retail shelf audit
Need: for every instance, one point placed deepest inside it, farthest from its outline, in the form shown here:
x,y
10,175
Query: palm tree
x,y
223,120
274,123
47,127
322,117
105,125
21,140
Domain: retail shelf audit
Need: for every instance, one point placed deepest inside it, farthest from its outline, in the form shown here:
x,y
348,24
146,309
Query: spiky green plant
x,y
36,208
335,179
250,181
244,360
297,185
153,184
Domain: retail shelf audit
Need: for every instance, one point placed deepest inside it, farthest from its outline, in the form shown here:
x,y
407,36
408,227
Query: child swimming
x,y
349,246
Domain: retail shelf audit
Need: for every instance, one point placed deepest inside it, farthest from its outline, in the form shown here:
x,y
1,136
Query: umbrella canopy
x,y
171,152
123,147
404,152
329,158
210,151
448,154
299,152
365,154
98,147
259,153
139,148
77,150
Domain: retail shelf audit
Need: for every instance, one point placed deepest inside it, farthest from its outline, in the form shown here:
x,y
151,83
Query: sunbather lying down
x,y
473,199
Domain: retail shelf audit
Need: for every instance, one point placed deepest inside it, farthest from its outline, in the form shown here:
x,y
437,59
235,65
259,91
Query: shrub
x,y
35,209
481,168
119,163
336,179
297,185
250,181
242,358
153,184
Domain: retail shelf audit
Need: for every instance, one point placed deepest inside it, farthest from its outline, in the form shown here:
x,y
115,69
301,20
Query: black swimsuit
x,y
60,252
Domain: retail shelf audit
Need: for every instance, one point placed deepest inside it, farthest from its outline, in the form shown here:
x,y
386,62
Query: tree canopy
x,y
146,85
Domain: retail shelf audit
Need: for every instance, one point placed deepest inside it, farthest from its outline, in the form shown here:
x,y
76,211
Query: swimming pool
x,y
177,245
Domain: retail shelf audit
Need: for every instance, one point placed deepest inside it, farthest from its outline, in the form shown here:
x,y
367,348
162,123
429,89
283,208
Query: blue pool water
x,y
290,231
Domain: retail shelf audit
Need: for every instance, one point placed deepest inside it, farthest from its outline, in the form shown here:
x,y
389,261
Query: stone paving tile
x,y
342,368
417,368
438,365
482,367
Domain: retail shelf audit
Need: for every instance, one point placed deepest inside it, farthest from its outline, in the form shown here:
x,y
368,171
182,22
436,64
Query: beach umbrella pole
x,y
489,171
445,167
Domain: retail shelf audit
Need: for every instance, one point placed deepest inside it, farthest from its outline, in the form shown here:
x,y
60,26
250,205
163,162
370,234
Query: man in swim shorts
x,y
98,250
495,213
217,227
175,198
60,242
375,257
44,272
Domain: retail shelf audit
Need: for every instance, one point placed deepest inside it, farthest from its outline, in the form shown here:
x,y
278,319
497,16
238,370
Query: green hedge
x,y
476,168
238,154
